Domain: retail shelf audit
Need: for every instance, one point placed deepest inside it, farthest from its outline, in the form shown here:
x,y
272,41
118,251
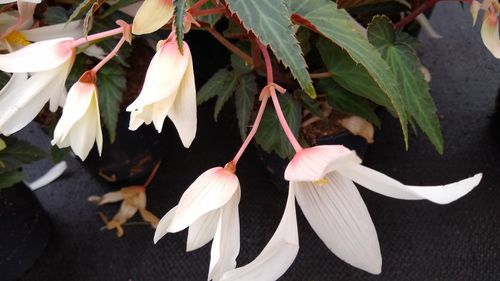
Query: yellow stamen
x,y
321,182
17,38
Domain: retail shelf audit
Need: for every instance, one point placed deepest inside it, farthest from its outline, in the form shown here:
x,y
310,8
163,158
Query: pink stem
x,y
252,132
110,55
97,36
277,107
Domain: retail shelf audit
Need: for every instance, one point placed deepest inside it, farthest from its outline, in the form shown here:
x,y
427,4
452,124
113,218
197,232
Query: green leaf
x,y
239,65
11,178
88,21
3,145
270,135
55,15
18,153
59,154
214,85
111,83
347,102
225,93
406,65
179,13
209,19
309,103
244,101
83,7
4,79
270,21
338,26
349,74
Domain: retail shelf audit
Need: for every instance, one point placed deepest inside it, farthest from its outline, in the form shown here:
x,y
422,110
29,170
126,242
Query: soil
x,y
328,126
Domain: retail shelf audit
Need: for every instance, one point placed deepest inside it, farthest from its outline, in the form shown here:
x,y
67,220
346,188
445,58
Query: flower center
x,y
321,182
17,38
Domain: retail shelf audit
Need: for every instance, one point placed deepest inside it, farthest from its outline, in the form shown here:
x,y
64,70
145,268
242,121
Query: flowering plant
x,y
306,58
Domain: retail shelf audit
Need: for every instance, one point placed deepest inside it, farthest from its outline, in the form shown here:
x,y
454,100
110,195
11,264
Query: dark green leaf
x,y
347,102
179,13
3,145
244,101
225,93
209,19
270,135
111,83
309,104
339,27
83,7
214,85
59,154
8,179
239,65
18,153
55,15
270,21
406,65
4,79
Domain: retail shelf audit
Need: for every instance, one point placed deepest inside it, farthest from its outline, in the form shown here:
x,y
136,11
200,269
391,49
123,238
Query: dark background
x,y
419,240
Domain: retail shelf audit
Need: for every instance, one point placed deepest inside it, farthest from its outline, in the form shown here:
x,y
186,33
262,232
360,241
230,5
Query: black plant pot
x,y
24,231
277,165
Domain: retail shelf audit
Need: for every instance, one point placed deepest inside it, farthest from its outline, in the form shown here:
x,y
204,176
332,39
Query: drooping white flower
x,y
80,123
209,207
49,63
152,15
168,90
322,178
489,29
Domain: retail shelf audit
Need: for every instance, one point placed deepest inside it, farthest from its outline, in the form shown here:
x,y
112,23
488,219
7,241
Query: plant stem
x,y
97,36
252,132
276,103
111,55
237,51
152,174
198,5
411,17
320,75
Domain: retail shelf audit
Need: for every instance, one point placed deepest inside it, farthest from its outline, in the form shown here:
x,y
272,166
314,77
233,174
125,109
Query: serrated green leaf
x,y
337,25
3,145
239,65
179,13
80,9
225,93
11,178
215,84
270,135
406,65
55,15
111,83
244,100
343,100
18,153
208,19
270,21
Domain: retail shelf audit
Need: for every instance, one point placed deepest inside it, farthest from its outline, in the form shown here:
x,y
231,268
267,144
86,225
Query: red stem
x,y
411,17
197,5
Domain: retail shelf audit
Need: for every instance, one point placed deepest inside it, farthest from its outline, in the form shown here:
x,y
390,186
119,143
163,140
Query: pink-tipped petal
x,y
183,111
152,15
489,33
210,191
313,163
277,255
475,6
202,230
339,216
39,56
385,185
162,227
226,244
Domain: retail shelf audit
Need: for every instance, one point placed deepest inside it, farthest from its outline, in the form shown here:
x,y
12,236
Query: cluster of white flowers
x,y
321,178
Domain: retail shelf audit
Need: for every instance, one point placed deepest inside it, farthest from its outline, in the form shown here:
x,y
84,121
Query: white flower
x,y
168,90
489,29
80,123
49,63
152,15
321,178
209,207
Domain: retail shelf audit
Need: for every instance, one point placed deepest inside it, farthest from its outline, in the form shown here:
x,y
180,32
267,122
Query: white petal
x,y
313,163
202,230
339,216
39,56
279,253
226,245
210,191
152,15
95,51
183,111
489,33
26,9
50,176
72,29
83,133
16,80
162,227
385,185
427,27
475,6
163,77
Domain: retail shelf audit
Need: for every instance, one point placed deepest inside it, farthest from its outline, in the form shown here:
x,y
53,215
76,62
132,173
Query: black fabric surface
x,y
419,240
